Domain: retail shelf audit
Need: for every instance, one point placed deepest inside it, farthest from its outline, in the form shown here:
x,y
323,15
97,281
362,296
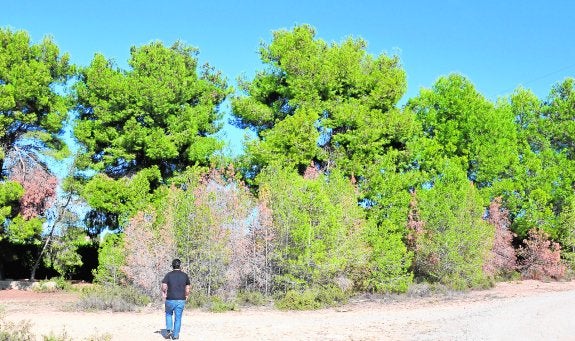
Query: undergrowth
x,y
313,298
115,298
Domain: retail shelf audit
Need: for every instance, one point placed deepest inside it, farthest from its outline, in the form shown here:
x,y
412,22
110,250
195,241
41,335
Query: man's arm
x,y
187,292
164,290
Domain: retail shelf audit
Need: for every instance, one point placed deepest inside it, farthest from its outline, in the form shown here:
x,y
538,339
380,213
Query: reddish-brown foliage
x,y
502,258
311,172
415,226
541,257
39,187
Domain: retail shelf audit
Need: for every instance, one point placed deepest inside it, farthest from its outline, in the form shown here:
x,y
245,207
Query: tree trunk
x,y
49,238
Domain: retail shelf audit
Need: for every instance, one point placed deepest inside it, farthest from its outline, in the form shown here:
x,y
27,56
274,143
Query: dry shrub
x,y
39,186
415,226
343,283
111,297
211,238
261,241
214,227
15,331
502,258
149,251
540,257
231,237
311,172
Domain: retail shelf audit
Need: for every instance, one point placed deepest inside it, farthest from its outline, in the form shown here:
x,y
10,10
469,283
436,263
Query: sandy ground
x,y
527,310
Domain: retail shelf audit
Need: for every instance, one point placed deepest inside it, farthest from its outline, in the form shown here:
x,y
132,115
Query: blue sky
x,y
498,45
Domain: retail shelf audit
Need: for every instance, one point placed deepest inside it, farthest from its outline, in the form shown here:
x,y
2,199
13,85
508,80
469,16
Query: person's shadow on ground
x,y
163,333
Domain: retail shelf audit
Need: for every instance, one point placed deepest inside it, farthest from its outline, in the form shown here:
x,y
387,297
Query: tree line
x,y
339,190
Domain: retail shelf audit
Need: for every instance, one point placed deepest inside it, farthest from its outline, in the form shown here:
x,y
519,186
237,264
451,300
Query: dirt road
x,y
528,310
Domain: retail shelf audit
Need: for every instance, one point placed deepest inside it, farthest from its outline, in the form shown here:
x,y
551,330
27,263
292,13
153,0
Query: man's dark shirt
x,y
176,281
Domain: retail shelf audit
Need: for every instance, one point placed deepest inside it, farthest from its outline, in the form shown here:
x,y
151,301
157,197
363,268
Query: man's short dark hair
x,y
176,263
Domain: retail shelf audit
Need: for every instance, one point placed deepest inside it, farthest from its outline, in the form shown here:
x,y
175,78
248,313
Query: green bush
x,y
220,305
198,299
298,300
44,286
318,227
254,298
390,260
313,298
62,283
113,298
331,295
111,258
569,261
456,240
52,285
211,303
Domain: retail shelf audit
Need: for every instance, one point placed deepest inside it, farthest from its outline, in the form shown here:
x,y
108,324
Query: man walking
x,y
175,290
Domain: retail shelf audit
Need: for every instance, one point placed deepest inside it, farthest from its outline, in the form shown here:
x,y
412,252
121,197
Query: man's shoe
x,y
175,337
168,334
